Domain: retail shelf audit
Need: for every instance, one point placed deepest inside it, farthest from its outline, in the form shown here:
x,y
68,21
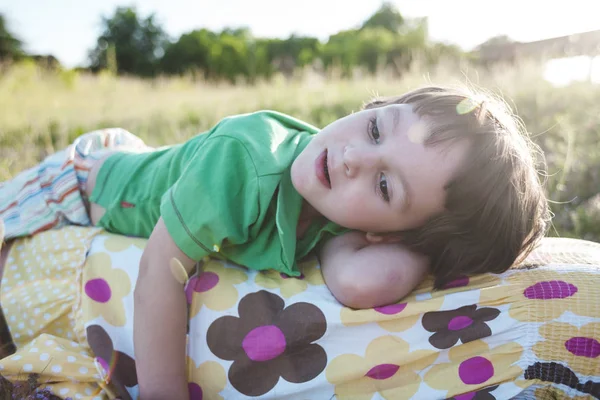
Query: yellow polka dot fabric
x,y
40,296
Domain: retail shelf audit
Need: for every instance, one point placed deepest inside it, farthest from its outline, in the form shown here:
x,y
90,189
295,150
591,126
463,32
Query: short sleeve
x,y
215,200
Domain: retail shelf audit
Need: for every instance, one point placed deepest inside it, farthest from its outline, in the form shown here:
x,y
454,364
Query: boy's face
x,y
371,170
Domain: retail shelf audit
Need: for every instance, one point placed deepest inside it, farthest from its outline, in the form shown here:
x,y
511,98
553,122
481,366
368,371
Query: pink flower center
x,y
475,370
382,371
195,391
284,276
206,281
460,322
458,282
391,309
264,343
98,290
103,364
202,283
583,347
550,290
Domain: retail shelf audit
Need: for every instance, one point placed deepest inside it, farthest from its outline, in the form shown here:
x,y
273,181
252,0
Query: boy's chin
x,y
333,217
317,209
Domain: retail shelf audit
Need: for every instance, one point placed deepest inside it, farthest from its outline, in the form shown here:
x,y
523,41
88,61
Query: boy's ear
x,y
378,238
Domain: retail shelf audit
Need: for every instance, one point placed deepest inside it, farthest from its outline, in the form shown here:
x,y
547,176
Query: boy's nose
x,y
357,159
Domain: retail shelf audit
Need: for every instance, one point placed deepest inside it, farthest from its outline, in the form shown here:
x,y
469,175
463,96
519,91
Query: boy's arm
x,y
159,326
365,275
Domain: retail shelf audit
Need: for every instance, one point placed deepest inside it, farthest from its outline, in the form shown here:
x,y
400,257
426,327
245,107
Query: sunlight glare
x,y
562,71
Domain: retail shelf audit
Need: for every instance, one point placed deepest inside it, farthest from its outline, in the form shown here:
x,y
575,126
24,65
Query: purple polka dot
x,y
391,309
195,391
98,290
206,281
475,370
284,276
583,347
550,290
264,343
465,396
460,322
382,371
458,282
203,283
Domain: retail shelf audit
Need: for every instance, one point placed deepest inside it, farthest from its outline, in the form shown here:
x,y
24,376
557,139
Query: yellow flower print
x,y
214,287
579,348
291,286
473,366
206,381
104,288
117,243
388,368
542,295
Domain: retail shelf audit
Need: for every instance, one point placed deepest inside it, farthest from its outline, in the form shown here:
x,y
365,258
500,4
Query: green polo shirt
x,y
227,192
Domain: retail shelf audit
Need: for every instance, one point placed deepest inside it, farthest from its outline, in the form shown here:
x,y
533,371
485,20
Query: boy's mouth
x,y
322,170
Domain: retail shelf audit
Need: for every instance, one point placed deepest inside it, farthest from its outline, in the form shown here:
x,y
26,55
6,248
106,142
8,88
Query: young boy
x,y
431,180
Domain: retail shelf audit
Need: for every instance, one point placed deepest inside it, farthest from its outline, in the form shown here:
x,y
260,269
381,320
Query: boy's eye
x,y
383,187
374,130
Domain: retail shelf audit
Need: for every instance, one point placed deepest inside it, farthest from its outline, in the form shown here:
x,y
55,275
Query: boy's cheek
x,y
352,210
300,174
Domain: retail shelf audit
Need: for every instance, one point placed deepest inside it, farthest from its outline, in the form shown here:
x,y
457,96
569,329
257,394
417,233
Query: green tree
x,y
220,56
296,51
192,51
229,56
340,51
138,43
412,40
10,46
385,40
387,17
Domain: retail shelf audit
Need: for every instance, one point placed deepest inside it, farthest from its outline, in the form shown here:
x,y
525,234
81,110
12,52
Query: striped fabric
x,y
48,195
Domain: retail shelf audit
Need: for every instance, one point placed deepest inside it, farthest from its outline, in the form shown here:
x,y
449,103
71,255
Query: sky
x,y
68,29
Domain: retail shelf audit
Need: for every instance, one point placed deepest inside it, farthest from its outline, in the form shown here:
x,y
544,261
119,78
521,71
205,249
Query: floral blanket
x,y
532,332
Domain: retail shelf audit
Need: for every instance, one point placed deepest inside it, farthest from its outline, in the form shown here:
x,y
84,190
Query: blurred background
x,y
166,70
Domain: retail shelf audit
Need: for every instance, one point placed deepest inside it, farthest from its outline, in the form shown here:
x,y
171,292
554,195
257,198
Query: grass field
x,y
41,112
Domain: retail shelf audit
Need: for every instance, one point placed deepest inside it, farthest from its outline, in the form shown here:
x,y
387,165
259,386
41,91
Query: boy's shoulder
x,y
263,124
272,139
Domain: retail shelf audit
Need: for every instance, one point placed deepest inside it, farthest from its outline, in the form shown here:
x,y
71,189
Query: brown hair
x,y
495,210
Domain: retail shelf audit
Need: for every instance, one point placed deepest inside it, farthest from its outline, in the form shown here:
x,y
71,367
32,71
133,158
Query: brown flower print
x,y
466,323
268,341
560,374
118,367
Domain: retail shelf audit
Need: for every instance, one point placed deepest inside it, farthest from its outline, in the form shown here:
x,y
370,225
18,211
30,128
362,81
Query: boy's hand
x,y
160,320
364,274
